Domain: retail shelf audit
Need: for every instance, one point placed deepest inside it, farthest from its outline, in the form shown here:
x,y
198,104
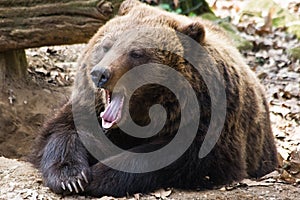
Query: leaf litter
x,y
276,67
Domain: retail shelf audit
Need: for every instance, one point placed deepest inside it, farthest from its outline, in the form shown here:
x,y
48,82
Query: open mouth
x,y
113,109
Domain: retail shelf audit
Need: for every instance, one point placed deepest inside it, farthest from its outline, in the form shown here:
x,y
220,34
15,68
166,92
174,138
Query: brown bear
x,y
198,113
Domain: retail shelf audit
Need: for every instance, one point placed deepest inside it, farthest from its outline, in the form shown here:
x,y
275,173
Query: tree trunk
x,y
26,24
13,66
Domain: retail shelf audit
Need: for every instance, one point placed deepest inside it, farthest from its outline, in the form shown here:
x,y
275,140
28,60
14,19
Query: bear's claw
x,y
75,185
84,177
63,186
80,185
70,187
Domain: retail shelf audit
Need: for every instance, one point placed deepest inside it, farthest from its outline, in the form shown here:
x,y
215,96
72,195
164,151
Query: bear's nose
x,y
100,76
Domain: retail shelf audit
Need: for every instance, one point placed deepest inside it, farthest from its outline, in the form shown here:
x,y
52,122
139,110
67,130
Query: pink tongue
x,y
112,114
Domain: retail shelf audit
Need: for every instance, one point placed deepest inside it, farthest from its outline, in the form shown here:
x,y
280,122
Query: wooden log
x,y
35,23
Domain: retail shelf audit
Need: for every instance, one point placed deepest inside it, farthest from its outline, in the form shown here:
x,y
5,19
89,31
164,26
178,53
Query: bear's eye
x,y
137,53
105,48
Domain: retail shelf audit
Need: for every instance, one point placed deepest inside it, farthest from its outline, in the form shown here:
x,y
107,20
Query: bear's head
x,y
140,41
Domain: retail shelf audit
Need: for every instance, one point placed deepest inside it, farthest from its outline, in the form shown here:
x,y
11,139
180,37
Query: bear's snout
x,y
100,75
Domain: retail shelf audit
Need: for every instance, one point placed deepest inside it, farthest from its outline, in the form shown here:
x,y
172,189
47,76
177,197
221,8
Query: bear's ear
x,y
195,30
127,5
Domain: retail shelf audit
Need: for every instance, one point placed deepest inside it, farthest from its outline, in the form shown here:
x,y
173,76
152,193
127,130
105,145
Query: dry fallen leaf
x,y
252,183
107,198
161,193
136,196
267,27
176,3
287,177
41,71
294,164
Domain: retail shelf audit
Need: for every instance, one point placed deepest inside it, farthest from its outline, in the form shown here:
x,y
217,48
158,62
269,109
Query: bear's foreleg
x,y
113,182
64,161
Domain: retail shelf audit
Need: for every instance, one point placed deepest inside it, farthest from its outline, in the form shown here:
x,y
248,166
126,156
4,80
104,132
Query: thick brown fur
x,y
245,148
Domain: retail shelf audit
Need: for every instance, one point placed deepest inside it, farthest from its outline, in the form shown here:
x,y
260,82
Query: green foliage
x,y
186,7
231,30
294,52
168,7
239,42
294,28
192,14
210,16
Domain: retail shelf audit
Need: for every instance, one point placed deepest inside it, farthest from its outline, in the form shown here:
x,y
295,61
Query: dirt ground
x,y
20,122
18,180
25,105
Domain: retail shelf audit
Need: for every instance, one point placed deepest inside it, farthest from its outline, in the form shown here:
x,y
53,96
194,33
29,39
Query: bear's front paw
x,y
75,184
68,180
